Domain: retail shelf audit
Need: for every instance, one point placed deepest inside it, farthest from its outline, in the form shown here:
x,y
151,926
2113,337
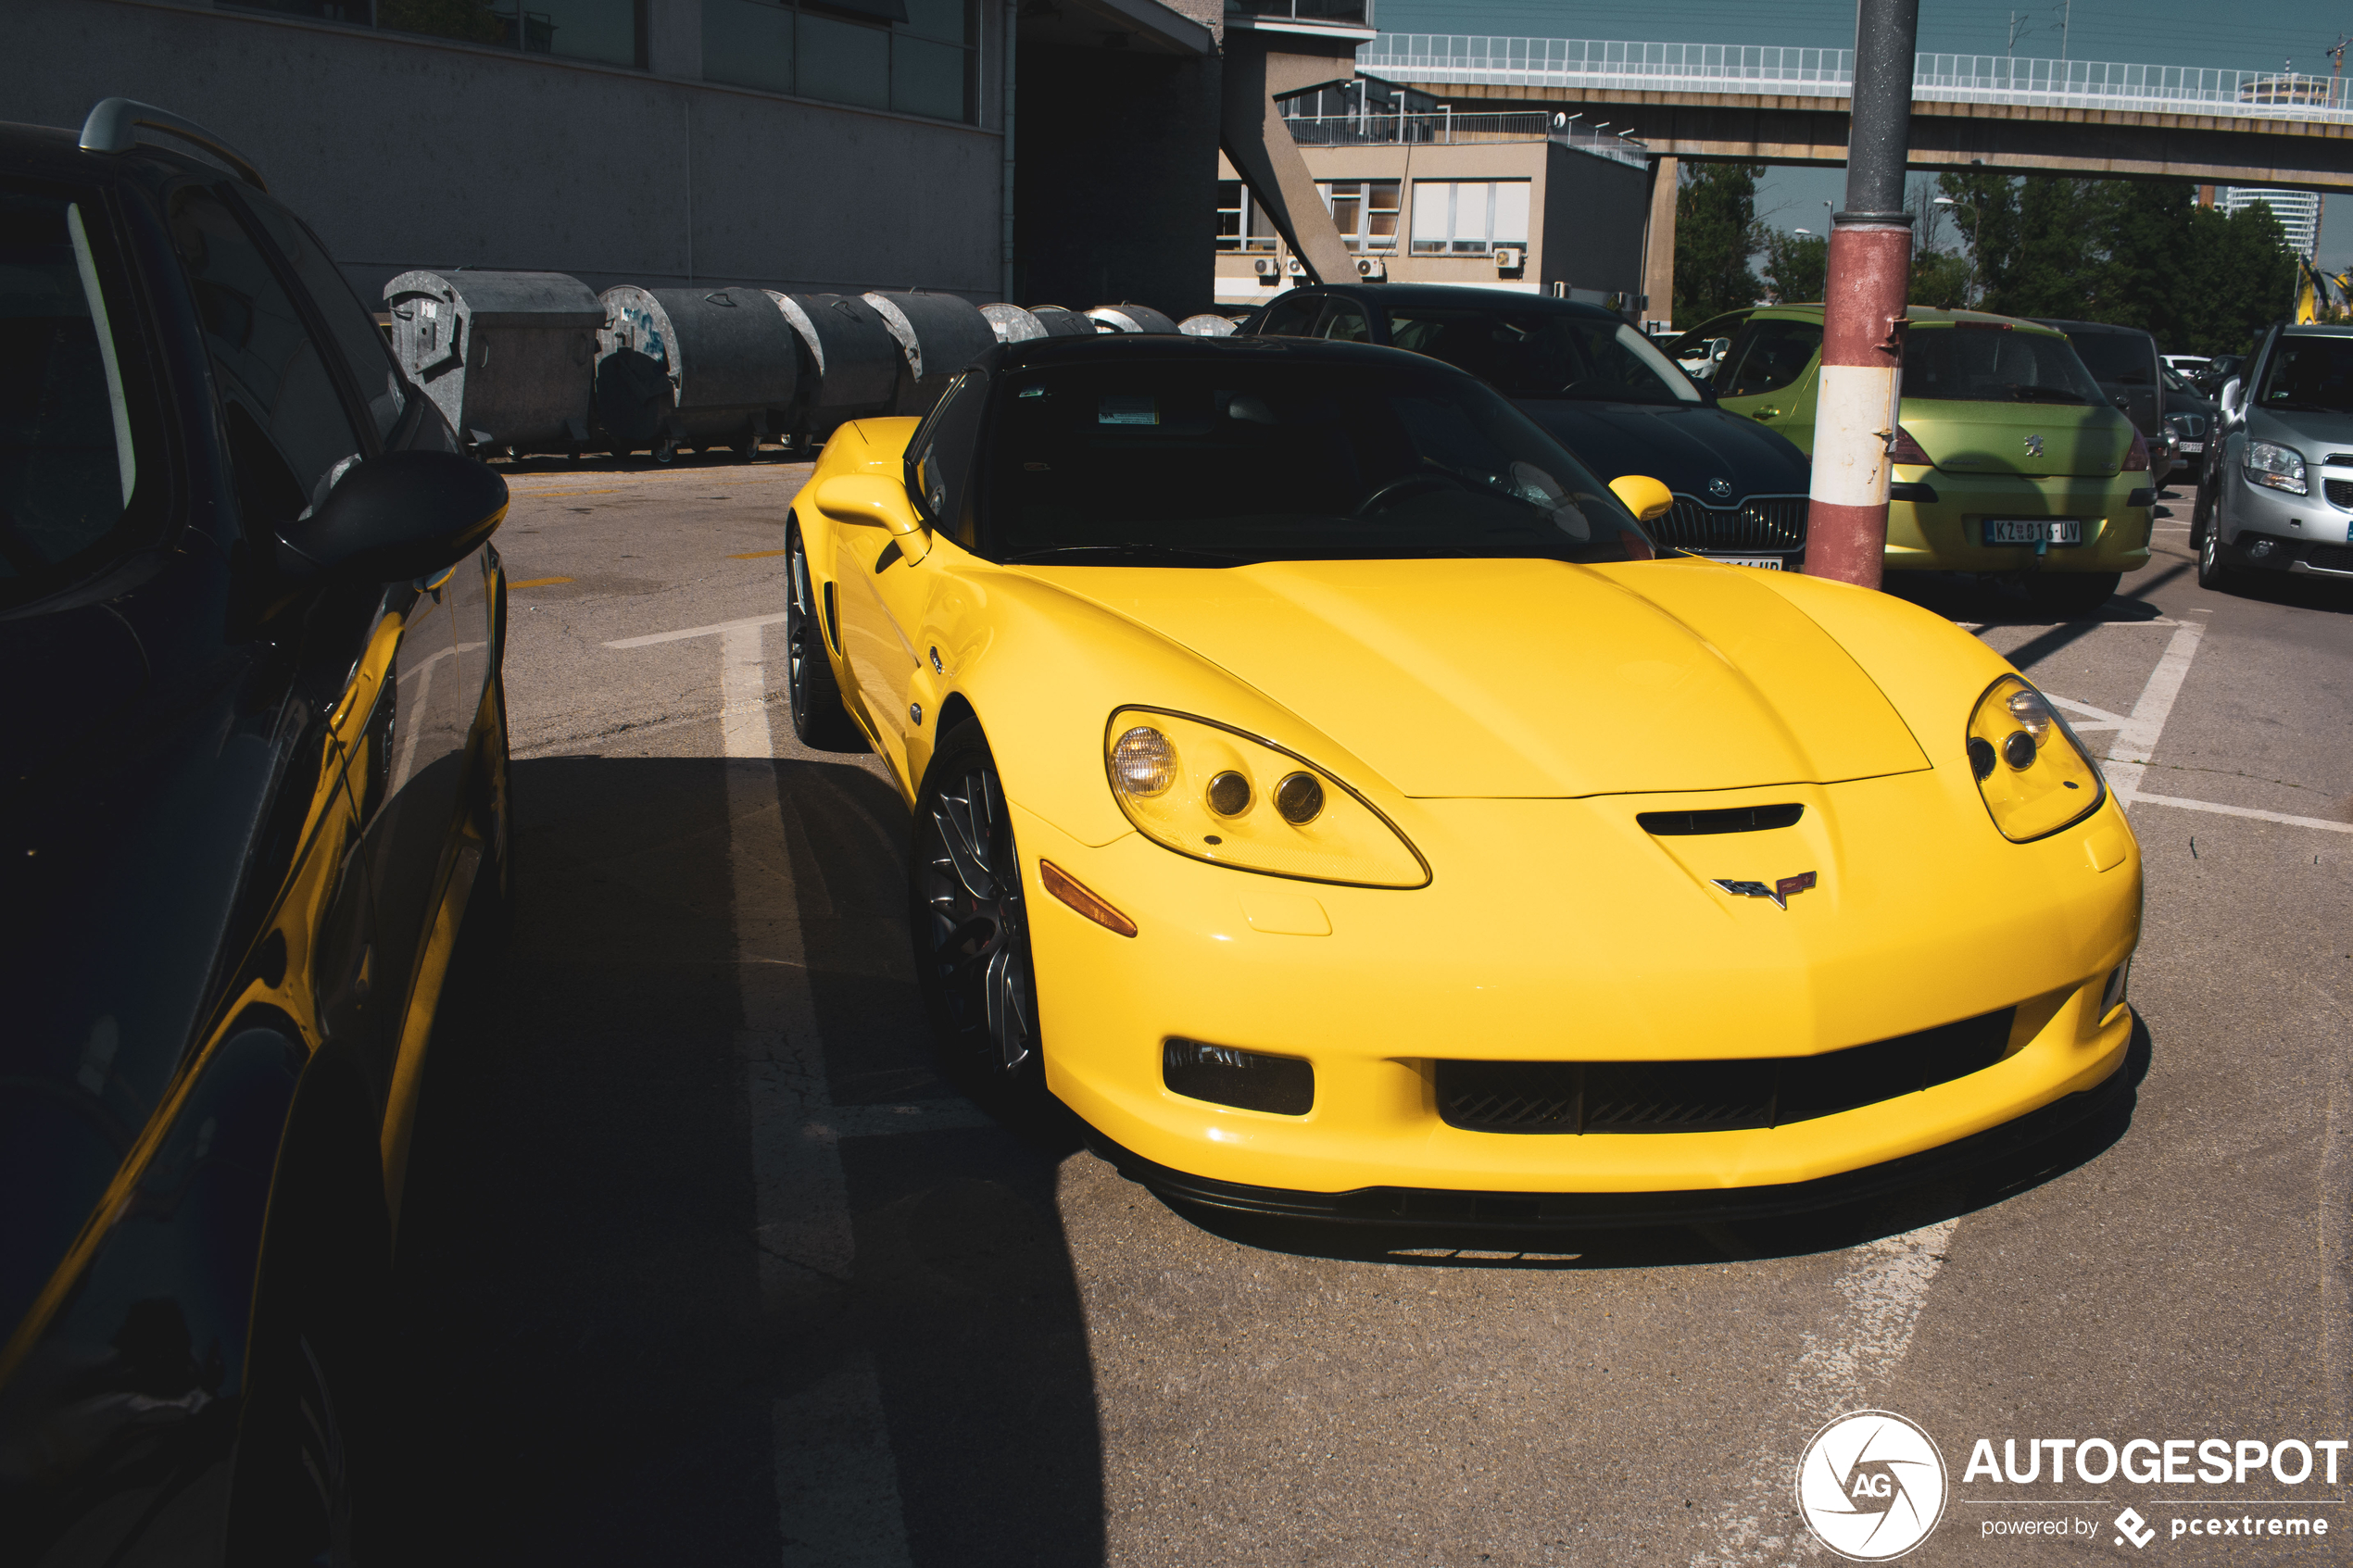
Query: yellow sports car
x,y
1324,788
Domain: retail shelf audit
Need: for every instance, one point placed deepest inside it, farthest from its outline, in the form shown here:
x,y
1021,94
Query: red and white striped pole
x,y
1871,275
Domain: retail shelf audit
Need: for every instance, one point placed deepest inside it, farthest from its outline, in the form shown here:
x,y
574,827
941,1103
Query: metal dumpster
x,y
1131,317
849,362
938,334
692,367
1206,325
1061,323
1012,323
508,358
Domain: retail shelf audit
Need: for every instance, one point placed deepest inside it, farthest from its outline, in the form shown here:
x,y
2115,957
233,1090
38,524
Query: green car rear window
x,y
1973,364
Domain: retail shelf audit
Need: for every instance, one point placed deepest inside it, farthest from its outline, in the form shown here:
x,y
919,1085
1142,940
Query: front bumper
x,y
1557,930
2271,531
1946,533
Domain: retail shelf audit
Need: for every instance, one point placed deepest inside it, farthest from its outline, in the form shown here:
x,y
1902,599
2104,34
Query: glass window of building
x,y
910,56
1365,211
608,32
1242,224
1468,217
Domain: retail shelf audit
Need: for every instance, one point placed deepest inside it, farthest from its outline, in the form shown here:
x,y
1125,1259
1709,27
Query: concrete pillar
x,y
1258,145
1658,242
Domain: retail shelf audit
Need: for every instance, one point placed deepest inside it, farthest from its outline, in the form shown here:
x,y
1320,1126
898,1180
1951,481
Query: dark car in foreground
x,y
1601,389
2278,495
256,773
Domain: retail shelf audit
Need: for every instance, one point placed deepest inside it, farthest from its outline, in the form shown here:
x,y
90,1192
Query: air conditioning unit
x,y
1372,269
1264,266
1296,268
1509,258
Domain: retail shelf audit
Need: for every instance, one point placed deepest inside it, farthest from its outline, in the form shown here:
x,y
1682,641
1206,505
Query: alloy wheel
x,y
975,932
801,617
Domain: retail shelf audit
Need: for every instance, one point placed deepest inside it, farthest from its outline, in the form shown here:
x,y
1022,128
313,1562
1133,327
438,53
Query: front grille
x,y
2330,558
2339,459
1761,522
1711,1097
2339,491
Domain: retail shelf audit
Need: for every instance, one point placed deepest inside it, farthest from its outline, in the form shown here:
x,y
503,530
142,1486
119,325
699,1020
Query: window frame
x,y
516,20
1360,240
1750,329
1246,239
892,32
1454,244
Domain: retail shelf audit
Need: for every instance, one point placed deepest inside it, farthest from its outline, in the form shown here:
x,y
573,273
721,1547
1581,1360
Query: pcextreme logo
x,y
1871,1485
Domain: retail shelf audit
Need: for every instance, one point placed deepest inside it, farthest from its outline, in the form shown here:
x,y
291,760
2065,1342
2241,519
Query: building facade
x,y
2299,212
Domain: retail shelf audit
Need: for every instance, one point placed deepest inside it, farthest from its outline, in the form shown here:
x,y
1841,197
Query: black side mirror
x,y
404,514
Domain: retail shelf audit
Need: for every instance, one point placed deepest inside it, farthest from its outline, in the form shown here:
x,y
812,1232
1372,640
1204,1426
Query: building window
x,y
610,32
912,57
1365,211
1468,217
1242,224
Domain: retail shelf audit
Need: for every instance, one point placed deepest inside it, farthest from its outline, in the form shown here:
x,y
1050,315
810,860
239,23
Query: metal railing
x,y
1427,58
1446,129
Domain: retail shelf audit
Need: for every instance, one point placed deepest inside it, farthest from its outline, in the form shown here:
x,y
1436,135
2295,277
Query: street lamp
x,y
1977,220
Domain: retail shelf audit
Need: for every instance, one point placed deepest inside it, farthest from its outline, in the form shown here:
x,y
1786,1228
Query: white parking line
x,y
837,1499
2281,817
715,627
2135,742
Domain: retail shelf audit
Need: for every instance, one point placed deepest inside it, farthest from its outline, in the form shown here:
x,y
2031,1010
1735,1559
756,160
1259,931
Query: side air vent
x,y
1734,819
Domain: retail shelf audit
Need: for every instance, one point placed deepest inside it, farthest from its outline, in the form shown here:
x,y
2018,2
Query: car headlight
x,y
1209,790
2280,468
2034,774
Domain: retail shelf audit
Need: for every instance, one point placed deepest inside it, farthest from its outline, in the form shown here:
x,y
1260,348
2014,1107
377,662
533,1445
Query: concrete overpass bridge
x,y
1768,104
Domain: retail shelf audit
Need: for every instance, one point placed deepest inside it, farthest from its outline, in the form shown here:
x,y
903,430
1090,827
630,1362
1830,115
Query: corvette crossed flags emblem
x,y
1779,892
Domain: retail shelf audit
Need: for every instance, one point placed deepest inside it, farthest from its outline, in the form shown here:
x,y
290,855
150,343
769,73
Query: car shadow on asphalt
x,y
1711,1245
594,1373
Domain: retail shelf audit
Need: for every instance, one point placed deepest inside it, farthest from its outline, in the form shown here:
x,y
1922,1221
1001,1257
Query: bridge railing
x,y
1447,129
1430,59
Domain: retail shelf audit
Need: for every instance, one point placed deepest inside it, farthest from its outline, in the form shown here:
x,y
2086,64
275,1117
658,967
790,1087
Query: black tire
x,y
2201,516
815,696
2213,573
2072,594
969,921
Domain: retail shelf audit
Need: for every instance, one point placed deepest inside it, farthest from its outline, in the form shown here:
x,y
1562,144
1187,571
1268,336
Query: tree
x,y
1714,235
1795,265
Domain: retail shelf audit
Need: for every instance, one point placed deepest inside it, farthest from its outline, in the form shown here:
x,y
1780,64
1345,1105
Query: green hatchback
x,y
2008,458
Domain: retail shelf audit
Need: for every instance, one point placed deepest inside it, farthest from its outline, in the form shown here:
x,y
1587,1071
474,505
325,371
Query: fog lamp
x,y
2257,548
1284,1086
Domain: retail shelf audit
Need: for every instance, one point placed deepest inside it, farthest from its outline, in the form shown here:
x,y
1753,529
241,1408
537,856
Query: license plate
x,y
2192,447
2034,531
1763,564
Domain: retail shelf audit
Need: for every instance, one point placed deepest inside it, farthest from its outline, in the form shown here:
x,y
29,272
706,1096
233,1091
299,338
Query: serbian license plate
x,y
1763,564
2192,447
2034,531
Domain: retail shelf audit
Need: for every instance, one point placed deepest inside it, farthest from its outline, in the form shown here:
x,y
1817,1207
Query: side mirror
x,y
404,514
2232,391
1644,496
871,501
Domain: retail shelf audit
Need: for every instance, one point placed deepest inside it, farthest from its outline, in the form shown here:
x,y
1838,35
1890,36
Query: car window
x,y
2310,373
1768,354
1292,315
2119,358
76,419
1692,344
1540,353
1195,462
349,327
289,436
1993,364
1344,321
939,460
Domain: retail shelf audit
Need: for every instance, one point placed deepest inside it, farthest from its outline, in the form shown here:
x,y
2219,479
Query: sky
x,y
2251,35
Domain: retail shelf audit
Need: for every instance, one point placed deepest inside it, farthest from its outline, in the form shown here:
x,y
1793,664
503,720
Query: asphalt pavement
x,y
702,1262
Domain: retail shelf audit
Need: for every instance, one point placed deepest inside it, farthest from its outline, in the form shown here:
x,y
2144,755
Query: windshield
x,y
68,462
1971,364
1213,463
2119,358
2310,373
1543,353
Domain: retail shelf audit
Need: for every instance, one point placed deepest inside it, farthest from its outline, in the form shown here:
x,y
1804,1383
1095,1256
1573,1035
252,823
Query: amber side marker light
x,y
1071,891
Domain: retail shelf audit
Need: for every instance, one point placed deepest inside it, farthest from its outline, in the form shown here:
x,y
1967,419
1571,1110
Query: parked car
x,y
2186,364
1257,699
1599,388
2189,416
1701,351
2125,362
2008,458
2279,480
257,775
2218,372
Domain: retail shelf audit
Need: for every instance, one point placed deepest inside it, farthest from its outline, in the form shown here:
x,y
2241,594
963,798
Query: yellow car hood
x,y
1532,678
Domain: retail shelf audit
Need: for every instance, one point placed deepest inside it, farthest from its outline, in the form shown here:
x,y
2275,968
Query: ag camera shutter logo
x,y
1871,1485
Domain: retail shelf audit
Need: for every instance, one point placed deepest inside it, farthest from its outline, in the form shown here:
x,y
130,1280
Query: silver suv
x,y
2278,488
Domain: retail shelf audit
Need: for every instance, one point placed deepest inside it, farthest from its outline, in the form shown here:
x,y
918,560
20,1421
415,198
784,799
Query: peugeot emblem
x,y
1720,487
1779,892
2034,446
